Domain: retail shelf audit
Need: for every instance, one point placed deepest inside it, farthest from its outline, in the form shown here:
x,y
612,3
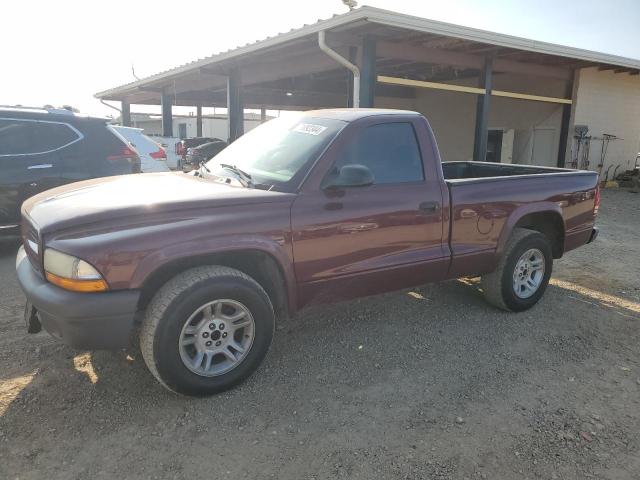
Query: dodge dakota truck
x,y
317,207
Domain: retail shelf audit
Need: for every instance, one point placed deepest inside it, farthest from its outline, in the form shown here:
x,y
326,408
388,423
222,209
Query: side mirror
x,y
351,176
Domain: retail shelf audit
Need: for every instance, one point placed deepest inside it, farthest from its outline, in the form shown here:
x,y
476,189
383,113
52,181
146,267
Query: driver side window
x,y
389,150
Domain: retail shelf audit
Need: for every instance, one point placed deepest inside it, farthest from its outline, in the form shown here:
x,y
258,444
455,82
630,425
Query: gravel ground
x,y
429,383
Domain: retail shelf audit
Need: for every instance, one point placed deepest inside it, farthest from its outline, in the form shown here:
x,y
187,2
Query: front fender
x,y
127,251
277,248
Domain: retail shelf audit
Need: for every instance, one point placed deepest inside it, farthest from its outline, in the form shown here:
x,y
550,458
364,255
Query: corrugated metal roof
x,y
390,19
267,42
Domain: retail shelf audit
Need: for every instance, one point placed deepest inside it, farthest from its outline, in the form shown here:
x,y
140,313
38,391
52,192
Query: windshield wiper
x,y
204,167
243,175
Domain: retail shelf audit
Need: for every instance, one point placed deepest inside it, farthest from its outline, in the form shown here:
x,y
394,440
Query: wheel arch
x,y
259,264
544,218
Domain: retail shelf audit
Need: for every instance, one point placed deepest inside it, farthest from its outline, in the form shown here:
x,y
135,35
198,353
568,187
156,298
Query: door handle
x,y
429,206
42,165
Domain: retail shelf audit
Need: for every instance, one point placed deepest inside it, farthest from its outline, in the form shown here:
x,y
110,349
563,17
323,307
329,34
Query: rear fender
x,y
518,214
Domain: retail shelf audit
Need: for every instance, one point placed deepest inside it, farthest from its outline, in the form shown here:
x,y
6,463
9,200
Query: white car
x,y
169,145
153,157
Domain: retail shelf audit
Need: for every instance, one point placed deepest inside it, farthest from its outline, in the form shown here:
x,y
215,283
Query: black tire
x,y
498,285
175,302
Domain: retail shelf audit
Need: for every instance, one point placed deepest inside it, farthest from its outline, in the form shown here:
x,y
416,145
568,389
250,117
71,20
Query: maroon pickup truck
x,y
317,207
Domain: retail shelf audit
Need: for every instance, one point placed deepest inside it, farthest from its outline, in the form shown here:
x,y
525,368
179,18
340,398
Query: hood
x,y
107,198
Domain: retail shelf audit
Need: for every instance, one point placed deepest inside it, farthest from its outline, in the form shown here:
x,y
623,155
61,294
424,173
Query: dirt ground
x,y
429,383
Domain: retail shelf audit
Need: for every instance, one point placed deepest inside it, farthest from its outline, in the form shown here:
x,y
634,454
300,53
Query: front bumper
x,y
90,321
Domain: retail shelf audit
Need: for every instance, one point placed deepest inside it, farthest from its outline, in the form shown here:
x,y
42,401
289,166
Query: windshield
x,y
279,152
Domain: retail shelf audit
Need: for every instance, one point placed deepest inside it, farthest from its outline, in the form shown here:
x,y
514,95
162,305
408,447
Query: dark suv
x,y
41,149
202,153
186,144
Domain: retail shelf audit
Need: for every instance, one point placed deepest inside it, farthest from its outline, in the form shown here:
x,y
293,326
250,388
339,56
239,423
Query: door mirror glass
x,y
350,176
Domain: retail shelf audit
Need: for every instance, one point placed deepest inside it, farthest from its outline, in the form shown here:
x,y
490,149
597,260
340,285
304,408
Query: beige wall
x,y
452,115
610,103
525,117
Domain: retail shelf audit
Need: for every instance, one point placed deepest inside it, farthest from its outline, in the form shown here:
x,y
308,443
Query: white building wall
x,y
609,102
211,127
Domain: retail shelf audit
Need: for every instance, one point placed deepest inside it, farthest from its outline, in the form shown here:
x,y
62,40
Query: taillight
x,y
159,155
596,200
125,153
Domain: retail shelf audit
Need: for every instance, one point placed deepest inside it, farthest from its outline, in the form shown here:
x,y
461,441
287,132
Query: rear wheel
x,y
523,272
206,330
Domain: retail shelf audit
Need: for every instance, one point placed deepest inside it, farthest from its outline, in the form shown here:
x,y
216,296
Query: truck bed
x,y
478,170
484,196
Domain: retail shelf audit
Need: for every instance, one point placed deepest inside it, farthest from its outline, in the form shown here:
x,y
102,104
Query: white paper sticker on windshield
x,y
309,128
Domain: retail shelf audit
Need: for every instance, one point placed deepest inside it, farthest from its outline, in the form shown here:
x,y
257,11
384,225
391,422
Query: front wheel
x,y
523,272
206,330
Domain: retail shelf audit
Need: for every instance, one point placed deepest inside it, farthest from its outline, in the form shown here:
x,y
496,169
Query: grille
x,y
31,242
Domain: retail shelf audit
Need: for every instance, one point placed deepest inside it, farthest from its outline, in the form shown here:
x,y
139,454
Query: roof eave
x,y
387,18
337,21
398,20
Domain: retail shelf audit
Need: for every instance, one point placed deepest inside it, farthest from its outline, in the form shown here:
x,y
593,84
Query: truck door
x,y
359,240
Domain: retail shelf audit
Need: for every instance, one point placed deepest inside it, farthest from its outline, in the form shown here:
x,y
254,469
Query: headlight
x,y
72,273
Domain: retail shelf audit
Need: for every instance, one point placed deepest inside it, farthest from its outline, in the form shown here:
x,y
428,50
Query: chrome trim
x,y
41,166
33,246
20,256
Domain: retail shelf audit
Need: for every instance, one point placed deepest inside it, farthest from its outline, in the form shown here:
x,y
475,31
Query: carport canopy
x,y
395,54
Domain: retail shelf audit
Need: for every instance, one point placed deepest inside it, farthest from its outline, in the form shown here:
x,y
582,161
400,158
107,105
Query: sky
x,y
63,52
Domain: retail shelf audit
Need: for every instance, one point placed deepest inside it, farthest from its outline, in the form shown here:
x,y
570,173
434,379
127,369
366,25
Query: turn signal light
x,y
77,285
